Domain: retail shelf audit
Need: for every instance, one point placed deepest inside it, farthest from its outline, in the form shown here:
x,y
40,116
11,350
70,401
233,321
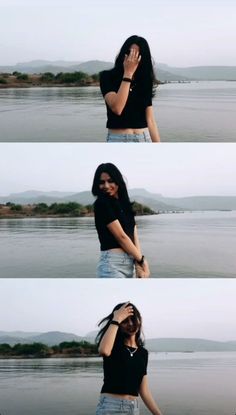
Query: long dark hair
x,y
115,175
120,337
145,71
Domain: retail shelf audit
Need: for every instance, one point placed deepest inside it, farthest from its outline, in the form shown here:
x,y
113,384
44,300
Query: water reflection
x,y
49,367
69,225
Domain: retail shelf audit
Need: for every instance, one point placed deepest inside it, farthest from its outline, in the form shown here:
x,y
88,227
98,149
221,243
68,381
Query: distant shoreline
x,y
53,356
28,86
25,216
58,210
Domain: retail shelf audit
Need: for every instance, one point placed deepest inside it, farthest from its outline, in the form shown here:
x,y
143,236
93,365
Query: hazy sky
x,y
176,308
172,169
180,32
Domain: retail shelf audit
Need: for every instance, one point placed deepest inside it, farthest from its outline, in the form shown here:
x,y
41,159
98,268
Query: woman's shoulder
x,y
106,74
143,352
109,81
103,201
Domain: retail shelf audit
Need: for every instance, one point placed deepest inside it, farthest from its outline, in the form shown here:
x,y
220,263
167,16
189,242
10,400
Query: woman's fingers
x,y
142,271
132,60
123,312
133,55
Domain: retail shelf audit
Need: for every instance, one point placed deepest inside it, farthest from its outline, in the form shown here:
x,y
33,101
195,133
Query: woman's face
x,y
108,186
130,326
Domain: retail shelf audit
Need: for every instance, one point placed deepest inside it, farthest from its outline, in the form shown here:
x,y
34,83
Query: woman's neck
x,y
131,341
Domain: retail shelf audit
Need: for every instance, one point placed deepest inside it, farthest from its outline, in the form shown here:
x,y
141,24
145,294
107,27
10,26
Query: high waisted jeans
x,y
115,406
115,265
129,138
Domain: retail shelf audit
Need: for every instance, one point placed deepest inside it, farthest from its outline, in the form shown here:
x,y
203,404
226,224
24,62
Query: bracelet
x,y
127,80
115,323
141,260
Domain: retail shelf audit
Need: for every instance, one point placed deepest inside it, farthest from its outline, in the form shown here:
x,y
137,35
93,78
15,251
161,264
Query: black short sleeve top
x,y
134,112
106,210
123,373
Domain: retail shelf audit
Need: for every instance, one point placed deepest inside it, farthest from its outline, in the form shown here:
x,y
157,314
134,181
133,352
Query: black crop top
x,y
106,210
134,112
123,373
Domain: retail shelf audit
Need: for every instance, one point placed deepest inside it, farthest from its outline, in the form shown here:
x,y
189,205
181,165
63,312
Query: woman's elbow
x,y
104,352
116,110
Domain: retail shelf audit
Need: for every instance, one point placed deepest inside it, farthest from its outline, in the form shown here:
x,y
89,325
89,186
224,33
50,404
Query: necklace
x,y
131,352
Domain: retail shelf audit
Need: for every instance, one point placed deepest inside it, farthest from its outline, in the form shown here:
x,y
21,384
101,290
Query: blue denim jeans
x,y
129,138
115,265
115,406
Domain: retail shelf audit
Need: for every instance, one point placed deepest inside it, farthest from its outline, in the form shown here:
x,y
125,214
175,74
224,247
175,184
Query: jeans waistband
x,y
109,253
144,134
130,402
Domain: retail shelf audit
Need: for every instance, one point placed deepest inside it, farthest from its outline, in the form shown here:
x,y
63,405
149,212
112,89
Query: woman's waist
x,y
113,253
128,131
120,396
114,250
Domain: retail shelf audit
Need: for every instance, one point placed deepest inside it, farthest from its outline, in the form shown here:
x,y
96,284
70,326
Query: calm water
x,y
182,383
198,244
198,111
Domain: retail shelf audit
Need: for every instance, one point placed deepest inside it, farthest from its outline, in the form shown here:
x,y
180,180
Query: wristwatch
x,y
115,323
141,260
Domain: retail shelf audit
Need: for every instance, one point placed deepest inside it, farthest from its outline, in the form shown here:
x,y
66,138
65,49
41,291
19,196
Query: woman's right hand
x,y
125,311
142,271
131,63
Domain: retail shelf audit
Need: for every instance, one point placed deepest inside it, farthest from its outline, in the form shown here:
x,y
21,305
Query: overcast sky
x,y
180,32
172,169
170,308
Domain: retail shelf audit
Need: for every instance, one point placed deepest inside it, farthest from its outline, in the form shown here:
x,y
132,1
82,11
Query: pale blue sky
x,y
170,308
172,169
180,32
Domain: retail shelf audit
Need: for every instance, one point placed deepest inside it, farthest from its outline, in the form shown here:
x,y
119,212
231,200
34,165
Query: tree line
x,y
42,350
76,78
68,208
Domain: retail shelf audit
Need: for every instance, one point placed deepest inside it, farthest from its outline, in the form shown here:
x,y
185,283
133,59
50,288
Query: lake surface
x,y
185,112
181,245
201,383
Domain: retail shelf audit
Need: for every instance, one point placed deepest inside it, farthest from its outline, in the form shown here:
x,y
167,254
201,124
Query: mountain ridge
x,y
155,201
162,344
164,72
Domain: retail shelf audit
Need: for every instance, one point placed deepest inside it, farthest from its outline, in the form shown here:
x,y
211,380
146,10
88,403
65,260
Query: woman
x,y
124,363
128,89
115,224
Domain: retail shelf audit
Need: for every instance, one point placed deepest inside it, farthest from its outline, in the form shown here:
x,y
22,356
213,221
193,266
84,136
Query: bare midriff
x,y
116,250
127,131
119,396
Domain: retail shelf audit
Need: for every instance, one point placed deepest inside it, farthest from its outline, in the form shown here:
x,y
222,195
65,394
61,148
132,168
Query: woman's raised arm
x,y
107,342
117,100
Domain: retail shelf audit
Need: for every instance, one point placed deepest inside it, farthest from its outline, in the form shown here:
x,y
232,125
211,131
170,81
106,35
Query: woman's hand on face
x,y
142,271
123,312
131,63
